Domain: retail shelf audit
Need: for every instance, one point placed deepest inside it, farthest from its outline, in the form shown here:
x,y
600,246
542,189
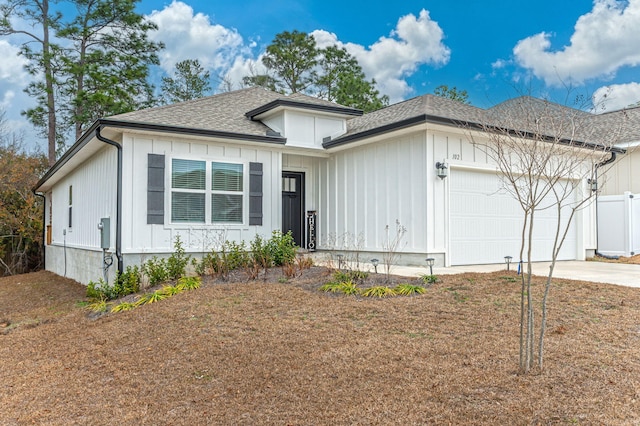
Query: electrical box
x,y
105,232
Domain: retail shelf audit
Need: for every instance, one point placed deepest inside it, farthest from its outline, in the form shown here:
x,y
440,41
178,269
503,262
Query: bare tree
x,y
545,154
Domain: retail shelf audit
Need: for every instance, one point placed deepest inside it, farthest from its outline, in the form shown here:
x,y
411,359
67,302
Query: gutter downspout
x,y
603,163
118,198
44,229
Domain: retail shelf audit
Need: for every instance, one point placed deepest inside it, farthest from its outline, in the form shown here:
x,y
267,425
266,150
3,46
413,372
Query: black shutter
x,y
155,189
255,194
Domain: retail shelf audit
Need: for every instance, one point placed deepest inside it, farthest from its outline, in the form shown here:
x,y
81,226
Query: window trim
x,y
208,191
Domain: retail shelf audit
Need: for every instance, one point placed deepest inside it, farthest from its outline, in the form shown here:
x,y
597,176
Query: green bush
x,y
429,279
282,248
156,270
126,283
178,261
101,290
260,253
129,281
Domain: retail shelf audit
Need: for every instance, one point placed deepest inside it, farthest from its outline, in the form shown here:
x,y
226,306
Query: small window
x,y
70,205
289,184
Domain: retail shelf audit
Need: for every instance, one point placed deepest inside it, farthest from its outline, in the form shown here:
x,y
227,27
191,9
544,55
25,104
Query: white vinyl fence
x,y
619,224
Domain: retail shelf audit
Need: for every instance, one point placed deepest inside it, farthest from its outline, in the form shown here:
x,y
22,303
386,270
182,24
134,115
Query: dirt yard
x,y
284,353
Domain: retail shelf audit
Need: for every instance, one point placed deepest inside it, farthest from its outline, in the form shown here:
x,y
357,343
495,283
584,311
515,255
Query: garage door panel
x,y
486,222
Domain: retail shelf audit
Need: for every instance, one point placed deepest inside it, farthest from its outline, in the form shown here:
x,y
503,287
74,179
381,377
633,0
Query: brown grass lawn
x,y
266,352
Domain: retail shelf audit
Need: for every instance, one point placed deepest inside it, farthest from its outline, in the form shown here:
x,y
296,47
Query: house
x,y
252,161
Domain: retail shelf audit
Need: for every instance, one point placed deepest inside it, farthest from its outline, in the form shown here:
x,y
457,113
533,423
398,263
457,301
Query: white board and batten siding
x,y
94,189
75,251
364,189
624,174
304,130
142,238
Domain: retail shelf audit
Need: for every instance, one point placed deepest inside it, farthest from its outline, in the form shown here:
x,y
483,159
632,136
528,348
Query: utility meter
x,y
105,232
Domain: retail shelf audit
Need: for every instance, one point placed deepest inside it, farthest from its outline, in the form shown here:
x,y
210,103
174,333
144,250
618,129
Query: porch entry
x,y
293,205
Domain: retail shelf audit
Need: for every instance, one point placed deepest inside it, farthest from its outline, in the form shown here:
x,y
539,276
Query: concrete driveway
x,y
600,272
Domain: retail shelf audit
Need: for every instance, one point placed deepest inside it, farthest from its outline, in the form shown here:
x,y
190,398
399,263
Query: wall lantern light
x,y
593,184
441,170
375,262
430,262
507,260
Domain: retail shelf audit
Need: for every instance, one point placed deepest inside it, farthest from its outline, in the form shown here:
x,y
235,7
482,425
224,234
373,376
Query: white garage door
x,y
486,223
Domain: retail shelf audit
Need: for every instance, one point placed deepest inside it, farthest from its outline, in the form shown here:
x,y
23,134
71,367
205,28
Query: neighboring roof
x,y
624,124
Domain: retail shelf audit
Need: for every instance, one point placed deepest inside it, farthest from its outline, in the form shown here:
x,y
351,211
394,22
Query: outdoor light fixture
x,y
340,258
375,262
507,260
430,262
593,184
441,170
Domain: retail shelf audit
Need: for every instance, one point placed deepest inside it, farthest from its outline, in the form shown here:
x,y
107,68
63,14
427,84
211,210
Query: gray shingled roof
x,y
224,112
522,114
410,109
626,122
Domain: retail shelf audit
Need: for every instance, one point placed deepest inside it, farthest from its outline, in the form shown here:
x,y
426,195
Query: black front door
x,y
293,205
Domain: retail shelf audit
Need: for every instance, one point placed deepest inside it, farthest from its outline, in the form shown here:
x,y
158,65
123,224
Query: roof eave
x,y
130,125
302,105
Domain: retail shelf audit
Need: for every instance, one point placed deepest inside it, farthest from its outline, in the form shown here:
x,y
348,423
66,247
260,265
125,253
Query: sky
x,y
493,49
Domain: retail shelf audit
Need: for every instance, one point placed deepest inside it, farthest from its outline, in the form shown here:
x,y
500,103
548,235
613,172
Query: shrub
x,y
156,270
189,283
101,290
156,296
333,287
178,261
353,275
378,291
124,306
282,248
349,288
409,289
429,279
260,252
304,262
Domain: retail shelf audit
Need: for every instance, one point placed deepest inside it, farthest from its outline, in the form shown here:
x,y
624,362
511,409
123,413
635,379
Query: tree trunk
x,y
48,77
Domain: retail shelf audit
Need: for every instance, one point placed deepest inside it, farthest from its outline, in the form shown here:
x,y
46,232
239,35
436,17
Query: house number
x,y
455,156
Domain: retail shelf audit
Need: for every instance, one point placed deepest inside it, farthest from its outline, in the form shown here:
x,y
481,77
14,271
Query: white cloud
x,y
617,96
390,60
12,64
241,67
192,36
604,40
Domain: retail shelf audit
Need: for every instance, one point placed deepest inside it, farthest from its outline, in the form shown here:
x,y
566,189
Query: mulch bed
x,y
274,352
